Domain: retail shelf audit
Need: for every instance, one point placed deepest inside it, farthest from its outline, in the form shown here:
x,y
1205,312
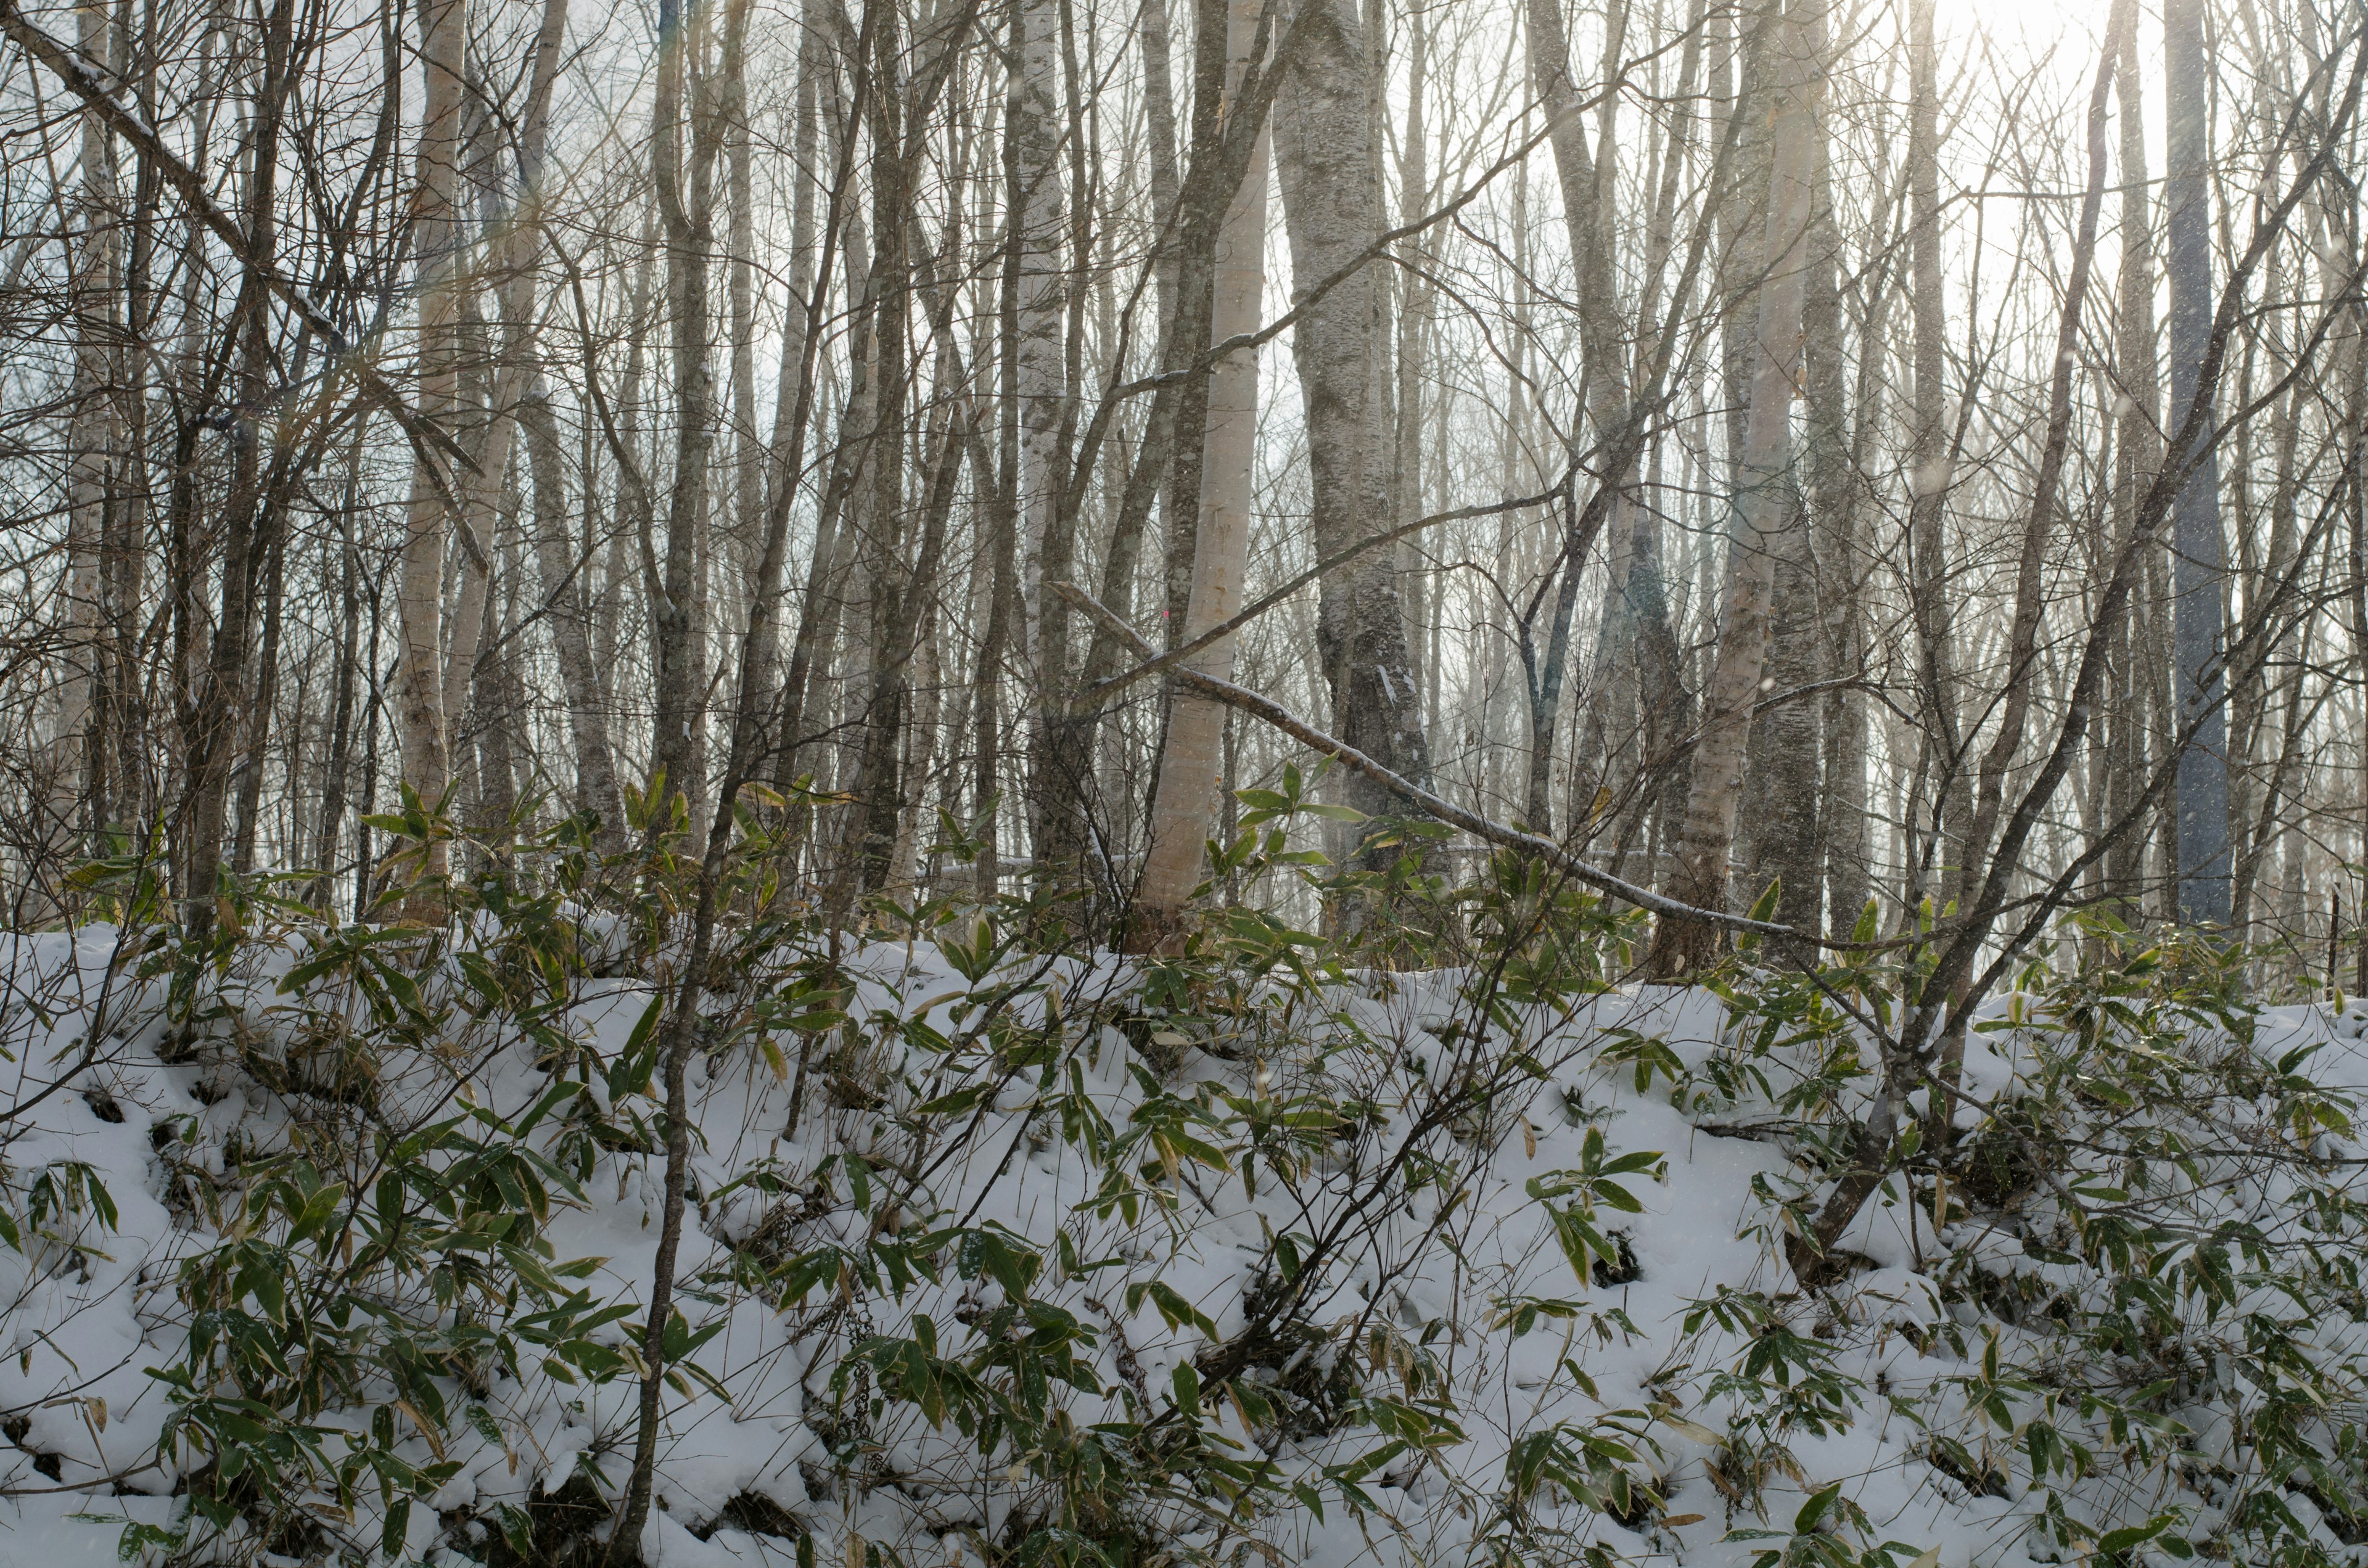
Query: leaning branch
x,y
1446,811
1101,691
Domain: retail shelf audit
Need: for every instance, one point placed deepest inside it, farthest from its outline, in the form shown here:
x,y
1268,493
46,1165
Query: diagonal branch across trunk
x,y
1413,794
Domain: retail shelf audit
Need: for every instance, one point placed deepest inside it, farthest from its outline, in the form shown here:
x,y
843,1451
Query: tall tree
x,y
1930,462
1328,171
2199,550
419,699
1190,755
2137,454
1764,506
686,137
1033,167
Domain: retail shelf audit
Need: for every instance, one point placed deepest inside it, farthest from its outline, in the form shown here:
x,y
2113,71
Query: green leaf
x,y
1766,908
1188,1387
954,1103
398,1528
1815,1509
630,1072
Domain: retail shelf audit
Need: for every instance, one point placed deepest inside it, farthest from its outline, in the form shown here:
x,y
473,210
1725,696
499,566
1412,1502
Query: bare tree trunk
x,y
255,743
747,446
819,605
1418,307
2199,550
1786,837
792,393
1665,704
350,653
1589,185
420,697
1326,169
563,571
1842,555
1764,506
1032,168
74,765
2137,454
1929,460
514,269
686,214
249,520
888,591
1191,757
1781,840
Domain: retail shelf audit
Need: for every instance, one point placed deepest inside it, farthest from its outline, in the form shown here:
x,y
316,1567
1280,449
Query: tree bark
x,y
2198,548
1039,386
73,765
514,271
1326,172
1929,456
1190,756
1588,184
684,181
419,694
249,520
1765,512
562,570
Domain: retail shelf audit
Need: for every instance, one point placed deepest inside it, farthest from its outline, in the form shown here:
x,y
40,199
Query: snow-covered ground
x,y
1436,1239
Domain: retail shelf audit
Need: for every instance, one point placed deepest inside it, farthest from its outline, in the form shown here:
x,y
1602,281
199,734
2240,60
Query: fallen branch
x,y
1446,811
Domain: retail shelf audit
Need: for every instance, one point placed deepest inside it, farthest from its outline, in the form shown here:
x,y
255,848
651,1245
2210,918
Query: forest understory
x,y
338,1244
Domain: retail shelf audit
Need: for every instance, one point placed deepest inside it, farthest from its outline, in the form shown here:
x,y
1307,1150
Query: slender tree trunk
x,y
254,747
563,571
75,763
1789,819
819,605
1931,589
2199,550
888,589
1843,558
747,445
1191,757
1418,307
514,271
249,520
1040,385
1764,506
420,697
350,654
684,180
2137,455
793,392
1588,184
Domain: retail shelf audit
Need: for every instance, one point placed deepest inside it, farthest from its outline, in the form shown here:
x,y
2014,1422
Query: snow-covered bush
x,y
339,1242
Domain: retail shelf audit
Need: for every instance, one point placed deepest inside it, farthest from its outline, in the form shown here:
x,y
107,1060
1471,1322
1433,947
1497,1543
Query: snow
x,y
1425,1276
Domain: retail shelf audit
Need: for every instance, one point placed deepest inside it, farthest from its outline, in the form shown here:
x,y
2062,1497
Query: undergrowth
x,y
1363,1241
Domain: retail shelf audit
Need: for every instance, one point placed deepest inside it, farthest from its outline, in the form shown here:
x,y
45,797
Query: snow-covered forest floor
x,y
990,1257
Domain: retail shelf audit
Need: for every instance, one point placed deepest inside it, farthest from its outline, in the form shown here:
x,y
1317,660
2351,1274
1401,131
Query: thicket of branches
x,y
1884,456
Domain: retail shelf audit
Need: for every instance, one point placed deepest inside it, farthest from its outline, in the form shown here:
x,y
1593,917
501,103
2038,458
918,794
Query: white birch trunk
x,y
1189,762
419,682
1034,128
